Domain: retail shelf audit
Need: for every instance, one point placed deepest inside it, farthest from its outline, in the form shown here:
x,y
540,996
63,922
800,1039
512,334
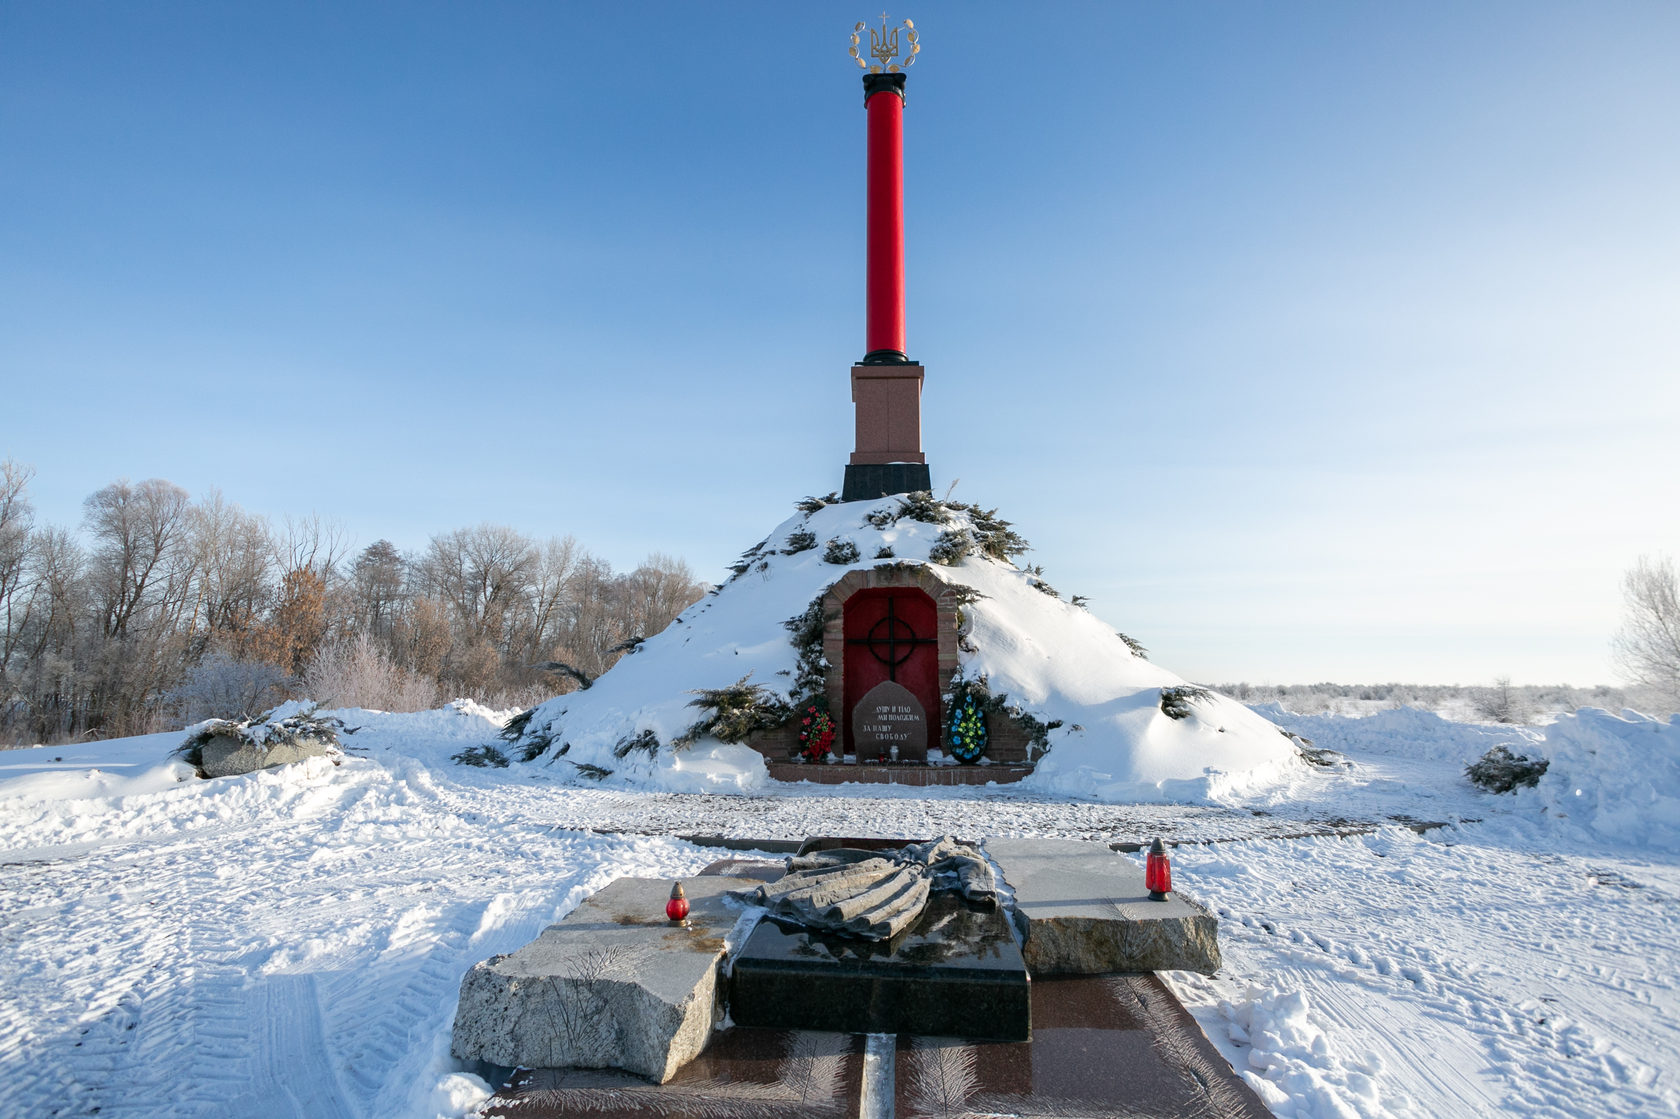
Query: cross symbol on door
x,y
887,637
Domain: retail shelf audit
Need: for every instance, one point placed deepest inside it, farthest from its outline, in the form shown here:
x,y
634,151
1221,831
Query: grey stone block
x,y
229,755
613,985
1086,912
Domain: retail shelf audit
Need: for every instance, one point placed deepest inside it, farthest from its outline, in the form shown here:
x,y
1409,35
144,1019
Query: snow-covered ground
x,y
291,942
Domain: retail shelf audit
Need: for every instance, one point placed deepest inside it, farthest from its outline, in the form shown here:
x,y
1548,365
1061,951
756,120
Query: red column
x,y
884,102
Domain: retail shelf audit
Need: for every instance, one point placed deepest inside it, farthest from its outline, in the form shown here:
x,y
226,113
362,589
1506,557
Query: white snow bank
x,y
1052,659
1612,778
82,770
1617,776
1406,732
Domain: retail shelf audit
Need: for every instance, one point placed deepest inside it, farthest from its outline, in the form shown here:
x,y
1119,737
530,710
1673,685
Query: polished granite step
x,y
1117,1045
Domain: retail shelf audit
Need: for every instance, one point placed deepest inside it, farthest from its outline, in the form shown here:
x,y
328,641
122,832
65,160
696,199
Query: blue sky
x,y
1311,341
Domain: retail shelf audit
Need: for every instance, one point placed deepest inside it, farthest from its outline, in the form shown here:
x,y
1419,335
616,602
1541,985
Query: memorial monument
x,y
887,635
886,384
881,634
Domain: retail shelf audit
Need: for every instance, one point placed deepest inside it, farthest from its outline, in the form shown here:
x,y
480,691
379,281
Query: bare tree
x,y
379,586
313,543
1501,703
176,608
140,556
484,574
551,584
354,672
1647,649
16,518
657,591
235,566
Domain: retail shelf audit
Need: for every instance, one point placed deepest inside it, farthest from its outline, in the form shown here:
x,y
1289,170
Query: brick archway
x,y
932,614
891,634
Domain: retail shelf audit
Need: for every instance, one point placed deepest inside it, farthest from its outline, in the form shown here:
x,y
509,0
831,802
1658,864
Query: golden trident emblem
x,y
883,46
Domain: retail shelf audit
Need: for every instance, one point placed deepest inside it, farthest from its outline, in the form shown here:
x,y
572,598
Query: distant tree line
x,y
164,610
1503,702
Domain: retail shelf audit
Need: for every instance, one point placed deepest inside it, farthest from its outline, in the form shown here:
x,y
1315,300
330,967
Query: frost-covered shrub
x,y
840,551
1501,703
884,552
1176,702
952,547
1500,771
736,711
222,687
800,540
1135,646
881,518
354,672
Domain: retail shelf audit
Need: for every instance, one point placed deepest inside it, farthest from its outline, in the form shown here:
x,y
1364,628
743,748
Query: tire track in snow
x,y
1381,958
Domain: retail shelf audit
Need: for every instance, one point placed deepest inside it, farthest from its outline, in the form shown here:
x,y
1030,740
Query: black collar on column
x,y
883,83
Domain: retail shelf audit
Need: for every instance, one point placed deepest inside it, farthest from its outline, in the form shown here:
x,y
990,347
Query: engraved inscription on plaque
x,y
889,715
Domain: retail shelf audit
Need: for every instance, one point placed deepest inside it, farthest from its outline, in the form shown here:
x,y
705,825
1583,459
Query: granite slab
x,y
1085,911
613,985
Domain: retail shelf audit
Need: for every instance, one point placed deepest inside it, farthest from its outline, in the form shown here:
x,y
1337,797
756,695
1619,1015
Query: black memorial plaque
x,y
890,716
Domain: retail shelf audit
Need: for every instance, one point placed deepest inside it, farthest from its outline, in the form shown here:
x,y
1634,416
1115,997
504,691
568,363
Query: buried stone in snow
x,y
936,607
288,733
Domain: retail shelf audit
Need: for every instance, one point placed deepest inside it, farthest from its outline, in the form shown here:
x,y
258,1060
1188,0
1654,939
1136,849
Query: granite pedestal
x,y
613,985
1085,911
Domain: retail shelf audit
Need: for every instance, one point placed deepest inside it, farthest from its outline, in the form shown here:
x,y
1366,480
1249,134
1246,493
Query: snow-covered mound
x,y
1054,661
1615,775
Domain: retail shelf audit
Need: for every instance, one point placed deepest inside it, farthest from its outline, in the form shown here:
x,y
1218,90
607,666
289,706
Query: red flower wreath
x,y
816,731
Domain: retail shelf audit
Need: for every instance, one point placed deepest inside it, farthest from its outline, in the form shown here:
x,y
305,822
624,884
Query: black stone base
x,y
869,480
956,973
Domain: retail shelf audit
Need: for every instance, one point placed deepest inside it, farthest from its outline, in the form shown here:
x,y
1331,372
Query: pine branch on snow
x,y
736,712
561,668
1176,702
840,551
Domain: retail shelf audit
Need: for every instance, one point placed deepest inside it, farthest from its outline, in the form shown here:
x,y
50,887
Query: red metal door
x,y
892,634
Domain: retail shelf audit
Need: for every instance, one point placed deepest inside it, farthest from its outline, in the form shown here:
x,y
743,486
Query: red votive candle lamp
x,y
1157,872
677,908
